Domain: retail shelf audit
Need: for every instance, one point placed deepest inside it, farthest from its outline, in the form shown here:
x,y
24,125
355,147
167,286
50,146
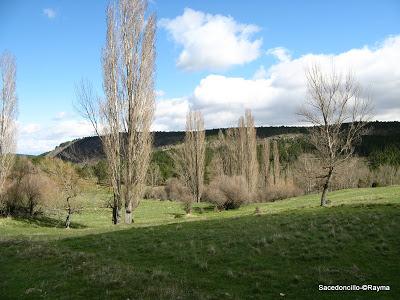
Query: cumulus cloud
x,y
281,53
275,94
170,114
212,42
261,73
36,138
50,13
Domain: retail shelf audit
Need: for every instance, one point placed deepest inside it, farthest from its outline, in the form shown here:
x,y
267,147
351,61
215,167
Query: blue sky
x,y
253,44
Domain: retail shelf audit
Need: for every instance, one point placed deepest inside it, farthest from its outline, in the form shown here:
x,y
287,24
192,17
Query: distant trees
x,y
277,164
237,151
338,113
247,144
265,163
190,158
8,113
128,108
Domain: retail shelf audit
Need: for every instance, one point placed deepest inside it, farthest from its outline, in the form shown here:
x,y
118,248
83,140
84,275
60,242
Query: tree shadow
x,y
204,209
43,221
177,215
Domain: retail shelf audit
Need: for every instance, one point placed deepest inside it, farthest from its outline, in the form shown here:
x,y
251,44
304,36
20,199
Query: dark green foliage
x,y
85,171
100,170
390,155
165,162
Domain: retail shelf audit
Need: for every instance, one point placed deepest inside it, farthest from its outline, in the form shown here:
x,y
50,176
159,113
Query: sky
x,y
217,56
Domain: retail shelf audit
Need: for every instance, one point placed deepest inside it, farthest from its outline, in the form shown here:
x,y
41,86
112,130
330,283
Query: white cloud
x,y
212,42
34,138
50,13
273,97
170,114
281,53
275,94
261,73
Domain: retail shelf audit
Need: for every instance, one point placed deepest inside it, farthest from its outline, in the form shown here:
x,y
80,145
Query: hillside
x,y
284,252
89,149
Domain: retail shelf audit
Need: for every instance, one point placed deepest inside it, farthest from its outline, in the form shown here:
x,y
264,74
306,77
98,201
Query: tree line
x,y
241,168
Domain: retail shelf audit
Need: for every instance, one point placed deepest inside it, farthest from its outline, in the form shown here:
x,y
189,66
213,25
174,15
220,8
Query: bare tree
x,y
307,169
123,119
154,176
8,113
338,114
238,151
277,164
191,157
248,150
265,155
137,78
68,183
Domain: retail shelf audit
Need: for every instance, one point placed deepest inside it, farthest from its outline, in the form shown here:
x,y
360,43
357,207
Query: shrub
x,y
28,194
155,192
279,191
100,170
85,171
177,191
227,192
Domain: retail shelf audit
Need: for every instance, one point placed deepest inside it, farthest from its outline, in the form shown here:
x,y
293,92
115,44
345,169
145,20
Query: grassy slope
x,y
290,249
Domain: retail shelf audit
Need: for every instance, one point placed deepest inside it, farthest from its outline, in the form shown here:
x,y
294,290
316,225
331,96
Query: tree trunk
x,y
326,186
68,220
116,215
69,210
116,212
128,212
31,208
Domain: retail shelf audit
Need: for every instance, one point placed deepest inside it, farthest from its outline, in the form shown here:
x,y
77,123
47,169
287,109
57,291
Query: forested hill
x,y
381,135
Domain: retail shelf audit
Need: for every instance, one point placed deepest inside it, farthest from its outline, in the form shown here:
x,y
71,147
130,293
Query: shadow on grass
x,y
177,215
43,221
205,209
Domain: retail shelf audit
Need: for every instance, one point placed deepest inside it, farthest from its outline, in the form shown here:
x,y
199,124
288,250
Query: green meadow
x,y
283,251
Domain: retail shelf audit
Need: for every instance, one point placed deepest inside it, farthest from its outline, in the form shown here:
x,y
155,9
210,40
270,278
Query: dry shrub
x,y
28,191
228,192
385,175
279,191
176,190
29,194
155,192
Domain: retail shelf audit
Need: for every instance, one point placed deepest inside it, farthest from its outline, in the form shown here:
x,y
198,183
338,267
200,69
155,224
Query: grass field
x,y
284,253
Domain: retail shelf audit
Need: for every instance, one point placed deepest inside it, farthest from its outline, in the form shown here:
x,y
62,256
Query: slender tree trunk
x,y
128,213
326,186
116,213
68,219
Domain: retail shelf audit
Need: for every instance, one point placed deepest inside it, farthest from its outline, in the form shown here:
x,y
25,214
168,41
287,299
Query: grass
x,y
285,252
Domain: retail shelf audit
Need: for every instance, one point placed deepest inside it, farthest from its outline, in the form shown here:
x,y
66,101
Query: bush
x,y
177,191
227,192
28,194
279,191
156,192
85,171
100,170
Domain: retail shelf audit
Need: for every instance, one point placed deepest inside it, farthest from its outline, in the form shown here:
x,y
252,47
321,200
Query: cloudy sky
x,y
217,56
